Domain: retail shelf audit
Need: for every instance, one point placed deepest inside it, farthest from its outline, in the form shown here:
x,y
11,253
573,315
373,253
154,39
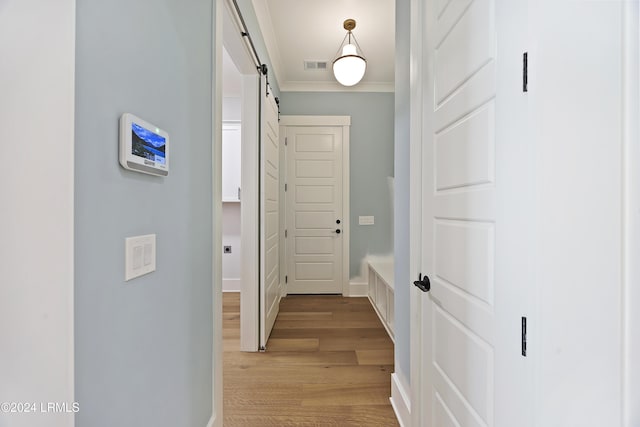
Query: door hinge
x,y
286,279
525,72
524,337
285,186
285,141
285,234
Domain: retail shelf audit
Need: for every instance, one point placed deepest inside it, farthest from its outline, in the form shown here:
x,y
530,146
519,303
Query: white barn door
x,y
474,232
269,213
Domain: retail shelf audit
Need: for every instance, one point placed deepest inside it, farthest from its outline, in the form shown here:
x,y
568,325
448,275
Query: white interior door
x,y
476,187
314,210
269,214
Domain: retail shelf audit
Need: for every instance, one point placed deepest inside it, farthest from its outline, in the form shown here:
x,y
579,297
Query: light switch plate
x,y
366,220
140,256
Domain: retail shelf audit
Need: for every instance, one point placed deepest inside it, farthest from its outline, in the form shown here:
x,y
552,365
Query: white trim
x,y
231,285
282,207
315,121
346,230
331,86
345,123
71,79
217,214
400,400
358,289
217,210
249,298
268,308
415,201
380,271
242,57
37,246
212,421
631,219
383,320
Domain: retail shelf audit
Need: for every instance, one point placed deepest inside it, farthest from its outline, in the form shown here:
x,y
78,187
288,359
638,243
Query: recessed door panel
x,y
314,246
313,220
442,415
316,271
465,48
314,143
314,194
467,150
464,257
465,360
314,169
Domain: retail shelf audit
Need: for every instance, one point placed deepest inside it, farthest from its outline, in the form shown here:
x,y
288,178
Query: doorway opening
x,y
240,124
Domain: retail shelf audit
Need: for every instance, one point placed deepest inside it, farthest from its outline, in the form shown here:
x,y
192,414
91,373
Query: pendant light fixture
x,y
349,67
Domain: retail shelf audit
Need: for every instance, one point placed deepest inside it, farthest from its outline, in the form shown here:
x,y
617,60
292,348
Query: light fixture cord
x,y
339,52
358,45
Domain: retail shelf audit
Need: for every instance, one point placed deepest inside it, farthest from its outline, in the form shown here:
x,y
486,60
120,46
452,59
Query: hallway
x,y
328,363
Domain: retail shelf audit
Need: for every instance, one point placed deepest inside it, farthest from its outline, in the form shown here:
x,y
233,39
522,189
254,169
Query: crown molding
x,y
293,86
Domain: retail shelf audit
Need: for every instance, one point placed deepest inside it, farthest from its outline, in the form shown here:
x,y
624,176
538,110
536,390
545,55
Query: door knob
x,y
423,283
337,221
337,231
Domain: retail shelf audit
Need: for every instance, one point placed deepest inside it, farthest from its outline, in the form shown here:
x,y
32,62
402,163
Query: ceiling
x,y
231,80
299,30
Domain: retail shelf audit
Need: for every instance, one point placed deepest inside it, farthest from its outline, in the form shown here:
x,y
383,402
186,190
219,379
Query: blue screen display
x,y
147,144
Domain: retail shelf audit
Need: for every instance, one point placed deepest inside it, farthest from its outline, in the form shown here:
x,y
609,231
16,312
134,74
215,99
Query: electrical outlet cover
x,y
140,256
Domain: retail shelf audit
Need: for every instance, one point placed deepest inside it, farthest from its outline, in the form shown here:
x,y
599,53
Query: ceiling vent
x,y
315,65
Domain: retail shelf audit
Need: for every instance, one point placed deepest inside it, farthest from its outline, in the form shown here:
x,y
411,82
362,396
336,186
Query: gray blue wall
x,y
371,160
143,349
401,218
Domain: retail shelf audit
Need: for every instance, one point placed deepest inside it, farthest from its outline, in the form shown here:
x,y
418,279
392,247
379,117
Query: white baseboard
x,y
231,285
212,421
358,289
400,401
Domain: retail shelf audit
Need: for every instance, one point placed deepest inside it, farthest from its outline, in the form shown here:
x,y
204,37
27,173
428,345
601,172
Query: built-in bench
x,y
381,273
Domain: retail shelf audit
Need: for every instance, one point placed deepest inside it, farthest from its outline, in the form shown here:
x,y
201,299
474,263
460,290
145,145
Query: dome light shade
x,y
349,67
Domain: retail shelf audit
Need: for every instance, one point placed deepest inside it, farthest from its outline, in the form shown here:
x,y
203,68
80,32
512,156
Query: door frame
x,y
416,92
334,121
239,52
227,33
631,219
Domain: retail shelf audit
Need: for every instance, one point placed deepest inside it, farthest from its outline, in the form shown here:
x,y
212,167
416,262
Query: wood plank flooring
x,y
328,363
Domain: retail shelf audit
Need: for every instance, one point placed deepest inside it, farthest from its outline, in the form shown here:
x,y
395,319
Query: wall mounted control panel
x,y
143,146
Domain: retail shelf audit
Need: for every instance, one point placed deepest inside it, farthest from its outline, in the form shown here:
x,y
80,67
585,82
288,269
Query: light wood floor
x,y
328,363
